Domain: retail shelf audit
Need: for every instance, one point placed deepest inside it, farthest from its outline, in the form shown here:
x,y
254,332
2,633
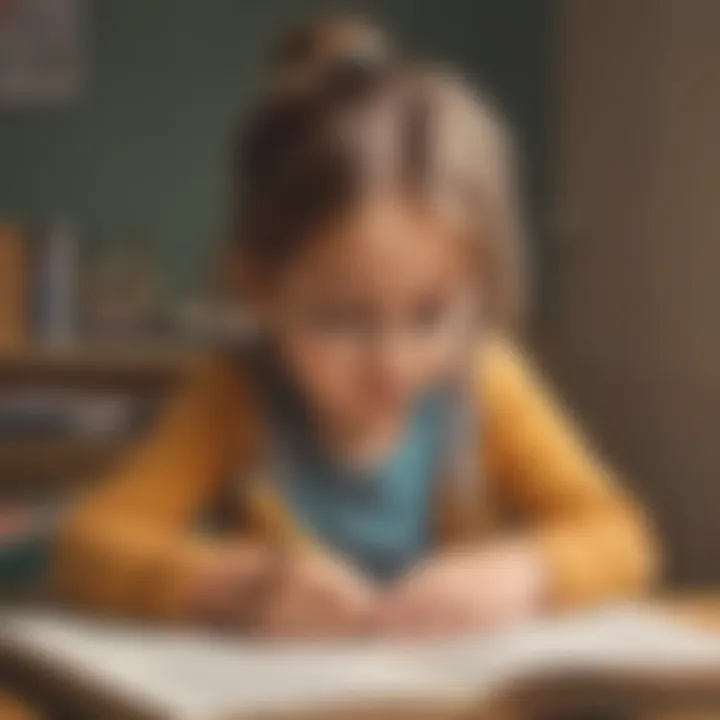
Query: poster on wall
x,y
42,51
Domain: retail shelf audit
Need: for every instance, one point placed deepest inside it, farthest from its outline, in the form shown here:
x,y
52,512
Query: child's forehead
x,y
386,241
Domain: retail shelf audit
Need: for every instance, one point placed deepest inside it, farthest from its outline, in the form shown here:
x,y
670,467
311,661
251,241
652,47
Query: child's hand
x,y
226,590
465,591
316,596
304,594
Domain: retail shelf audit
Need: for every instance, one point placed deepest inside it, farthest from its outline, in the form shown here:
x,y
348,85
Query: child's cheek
x,y
328,372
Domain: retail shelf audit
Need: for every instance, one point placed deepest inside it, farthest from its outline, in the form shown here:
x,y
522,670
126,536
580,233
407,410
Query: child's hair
x,y
346,113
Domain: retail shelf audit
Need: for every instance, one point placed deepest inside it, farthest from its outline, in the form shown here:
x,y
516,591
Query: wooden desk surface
x,y
699,609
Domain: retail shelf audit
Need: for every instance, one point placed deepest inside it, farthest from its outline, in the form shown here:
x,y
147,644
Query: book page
x,y
622,639
201,676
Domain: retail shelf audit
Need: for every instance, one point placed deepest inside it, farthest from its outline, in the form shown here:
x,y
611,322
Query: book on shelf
x,y
39,286
28,536
14,269
57,414
54,286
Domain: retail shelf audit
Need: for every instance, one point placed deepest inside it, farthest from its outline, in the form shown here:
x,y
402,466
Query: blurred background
x,y
115,121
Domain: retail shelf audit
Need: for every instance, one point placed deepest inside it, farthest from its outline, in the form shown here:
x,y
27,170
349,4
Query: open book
x,y
190,675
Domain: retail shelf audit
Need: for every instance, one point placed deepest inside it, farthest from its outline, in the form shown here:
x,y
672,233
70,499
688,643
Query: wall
x,y
636,339
144,151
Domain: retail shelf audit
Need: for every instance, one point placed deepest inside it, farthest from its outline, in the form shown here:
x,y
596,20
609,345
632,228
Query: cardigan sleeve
x,y
592,535
128,546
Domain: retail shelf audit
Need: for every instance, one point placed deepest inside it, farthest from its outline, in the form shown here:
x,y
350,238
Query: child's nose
x,y
393,357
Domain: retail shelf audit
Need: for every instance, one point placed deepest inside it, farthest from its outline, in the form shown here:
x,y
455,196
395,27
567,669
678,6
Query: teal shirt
x,y
380,519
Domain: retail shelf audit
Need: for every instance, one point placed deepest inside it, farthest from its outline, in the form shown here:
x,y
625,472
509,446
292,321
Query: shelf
x,y
41,466
106,358
145,373
93,365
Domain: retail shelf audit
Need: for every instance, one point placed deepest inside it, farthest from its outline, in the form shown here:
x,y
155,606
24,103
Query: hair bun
x,y
331,47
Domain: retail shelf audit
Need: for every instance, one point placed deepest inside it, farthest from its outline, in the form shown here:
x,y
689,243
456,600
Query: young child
x,y
385,461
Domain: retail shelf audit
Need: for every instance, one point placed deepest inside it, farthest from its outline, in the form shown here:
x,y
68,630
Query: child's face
x,y
374,311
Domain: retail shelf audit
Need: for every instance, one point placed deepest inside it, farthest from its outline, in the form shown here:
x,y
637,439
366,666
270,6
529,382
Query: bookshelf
x,y
37,466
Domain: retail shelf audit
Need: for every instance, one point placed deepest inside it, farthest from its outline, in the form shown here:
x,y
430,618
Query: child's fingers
x,y
426,606
318,598
403,612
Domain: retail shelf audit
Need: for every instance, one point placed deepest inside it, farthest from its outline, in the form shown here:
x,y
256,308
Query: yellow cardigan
x,y
130,546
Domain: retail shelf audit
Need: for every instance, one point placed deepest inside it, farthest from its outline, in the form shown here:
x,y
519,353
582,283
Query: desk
x,y
699,609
